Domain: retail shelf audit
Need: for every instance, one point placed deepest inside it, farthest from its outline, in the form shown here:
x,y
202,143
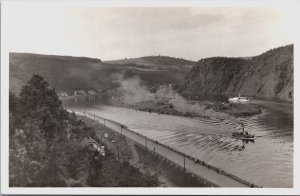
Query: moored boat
x,y
238,99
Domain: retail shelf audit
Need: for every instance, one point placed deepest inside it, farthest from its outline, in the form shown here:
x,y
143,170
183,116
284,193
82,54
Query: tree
x,y
42,131
42,155
40,103
37,94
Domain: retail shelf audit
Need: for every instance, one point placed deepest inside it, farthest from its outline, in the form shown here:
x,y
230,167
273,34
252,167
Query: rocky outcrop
x,y
268,75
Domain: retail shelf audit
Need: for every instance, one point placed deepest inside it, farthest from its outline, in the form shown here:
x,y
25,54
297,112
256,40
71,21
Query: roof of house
x,y
87,140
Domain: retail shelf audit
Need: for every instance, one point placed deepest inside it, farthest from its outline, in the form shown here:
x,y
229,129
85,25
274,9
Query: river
x,y
267,162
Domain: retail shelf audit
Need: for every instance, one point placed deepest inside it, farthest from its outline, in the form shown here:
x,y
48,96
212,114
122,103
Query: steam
x,y
166,91
180,104
132,92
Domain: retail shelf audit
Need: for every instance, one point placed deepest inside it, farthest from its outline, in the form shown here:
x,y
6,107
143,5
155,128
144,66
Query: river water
x,y
267,162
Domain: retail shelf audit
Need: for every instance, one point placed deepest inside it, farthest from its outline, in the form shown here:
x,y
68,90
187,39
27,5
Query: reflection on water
x,y
268,161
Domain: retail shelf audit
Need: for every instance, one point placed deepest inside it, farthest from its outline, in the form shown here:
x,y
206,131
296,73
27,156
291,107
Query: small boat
x,y
247,138
238,99
243,135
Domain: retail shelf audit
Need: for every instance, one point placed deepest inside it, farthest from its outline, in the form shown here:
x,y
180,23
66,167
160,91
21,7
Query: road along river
x,y
268,162
187,163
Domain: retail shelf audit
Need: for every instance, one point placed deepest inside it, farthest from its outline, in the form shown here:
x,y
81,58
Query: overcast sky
x,y
114,33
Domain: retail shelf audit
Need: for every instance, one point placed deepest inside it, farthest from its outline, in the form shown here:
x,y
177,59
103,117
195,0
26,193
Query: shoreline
x,y
169,174
195,166
285,107
234,110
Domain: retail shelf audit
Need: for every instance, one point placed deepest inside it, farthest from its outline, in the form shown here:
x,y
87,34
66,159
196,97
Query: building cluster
x,y
79,92
85,92
62,94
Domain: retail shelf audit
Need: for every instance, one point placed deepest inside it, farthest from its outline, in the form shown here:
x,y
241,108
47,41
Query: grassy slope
x,y
268,75
69,73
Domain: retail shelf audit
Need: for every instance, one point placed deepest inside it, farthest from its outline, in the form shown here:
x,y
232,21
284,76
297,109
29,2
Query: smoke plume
x,y
180,104
132,90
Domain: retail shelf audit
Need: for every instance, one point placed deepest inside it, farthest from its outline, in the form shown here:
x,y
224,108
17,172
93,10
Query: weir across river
x,y
185,162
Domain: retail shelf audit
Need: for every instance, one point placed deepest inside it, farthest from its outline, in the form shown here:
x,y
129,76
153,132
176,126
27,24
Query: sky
x,y
111,33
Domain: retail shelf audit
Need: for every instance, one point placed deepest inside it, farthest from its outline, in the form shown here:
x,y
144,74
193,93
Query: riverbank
x,y
232,109
126,150
285,107
188,163
241,109
209,137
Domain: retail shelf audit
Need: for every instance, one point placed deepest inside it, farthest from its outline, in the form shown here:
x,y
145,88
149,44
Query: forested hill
x,y
155,61
268,75
70,73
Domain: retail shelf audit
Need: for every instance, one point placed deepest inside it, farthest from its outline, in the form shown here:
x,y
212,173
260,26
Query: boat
x,y
247,138
238,99
243,135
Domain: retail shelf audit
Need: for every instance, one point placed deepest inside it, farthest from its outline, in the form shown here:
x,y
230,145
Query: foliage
x,y
75,73
39,149
41,154
166,60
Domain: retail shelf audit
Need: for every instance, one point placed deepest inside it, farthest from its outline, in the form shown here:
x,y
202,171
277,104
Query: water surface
x,y
268,162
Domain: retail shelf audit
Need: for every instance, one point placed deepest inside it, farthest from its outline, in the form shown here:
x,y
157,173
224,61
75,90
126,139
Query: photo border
x,y
5,189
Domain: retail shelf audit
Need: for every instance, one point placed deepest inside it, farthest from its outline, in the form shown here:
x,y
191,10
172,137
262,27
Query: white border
x,y
184,191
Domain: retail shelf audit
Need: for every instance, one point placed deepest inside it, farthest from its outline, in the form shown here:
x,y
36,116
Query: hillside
x,y
155,61
70,73
269,75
